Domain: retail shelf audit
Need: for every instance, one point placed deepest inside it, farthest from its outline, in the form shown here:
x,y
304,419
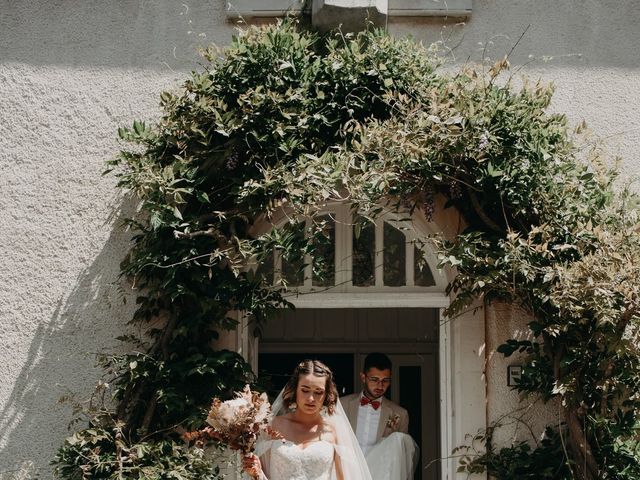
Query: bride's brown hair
x,y
318,369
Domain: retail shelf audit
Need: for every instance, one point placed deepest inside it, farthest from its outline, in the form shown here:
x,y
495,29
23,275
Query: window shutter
x,y
262,8
429,8
396,8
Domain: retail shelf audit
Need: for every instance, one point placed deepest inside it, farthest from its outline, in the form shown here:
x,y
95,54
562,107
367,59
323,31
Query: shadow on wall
x,y
61,360
112,33
160,34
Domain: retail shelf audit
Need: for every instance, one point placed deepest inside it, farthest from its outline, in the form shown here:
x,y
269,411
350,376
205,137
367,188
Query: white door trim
x,y
445,351
447,435
369,300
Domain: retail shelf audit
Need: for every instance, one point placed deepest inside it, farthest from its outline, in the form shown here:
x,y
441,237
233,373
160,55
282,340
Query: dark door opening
x,y
342,337
275,369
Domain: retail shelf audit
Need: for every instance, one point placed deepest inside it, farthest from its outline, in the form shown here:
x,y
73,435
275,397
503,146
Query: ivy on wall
x,y
285,119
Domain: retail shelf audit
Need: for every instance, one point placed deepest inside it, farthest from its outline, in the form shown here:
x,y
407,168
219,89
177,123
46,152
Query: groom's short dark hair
x,y
376,360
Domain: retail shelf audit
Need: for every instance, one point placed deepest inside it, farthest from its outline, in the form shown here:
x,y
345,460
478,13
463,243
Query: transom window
x,y
356,255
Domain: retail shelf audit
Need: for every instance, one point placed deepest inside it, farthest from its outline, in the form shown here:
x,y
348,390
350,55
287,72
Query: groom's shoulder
x,y
349,398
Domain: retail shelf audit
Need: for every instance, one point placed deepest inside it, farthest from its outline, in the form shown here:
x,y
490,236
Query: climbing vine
x,y
285,120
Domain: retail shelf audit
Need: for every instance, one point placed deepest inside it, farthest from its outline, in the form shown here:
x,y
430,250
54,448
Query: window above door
x,y
392,254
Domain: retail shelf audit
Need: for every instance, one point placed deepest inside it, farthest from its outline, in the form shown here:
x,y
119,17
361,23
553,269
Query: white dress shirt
x,y
367,426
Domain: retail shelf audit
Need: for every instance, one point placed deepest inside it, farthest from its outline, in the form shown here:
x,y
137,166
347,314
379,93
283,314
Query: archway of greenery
x,y
285,118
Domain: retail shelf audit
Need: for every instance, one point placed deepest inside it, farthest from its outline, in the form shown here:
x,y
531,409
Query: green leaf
x,y
493,172
155,220
203,197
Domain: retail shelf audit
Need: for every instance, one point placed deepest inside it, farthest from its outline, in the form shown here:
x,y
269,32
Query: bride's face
x,y
311,393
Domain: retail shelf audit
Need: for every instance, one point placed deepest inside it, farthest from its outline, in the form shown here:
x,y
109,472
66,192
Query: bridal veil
x,y
352,461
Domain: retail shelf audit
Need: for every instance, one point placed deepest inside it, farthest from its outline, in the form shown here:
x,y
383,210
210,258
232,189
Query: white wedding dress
x,y
290,462
393,458
285,460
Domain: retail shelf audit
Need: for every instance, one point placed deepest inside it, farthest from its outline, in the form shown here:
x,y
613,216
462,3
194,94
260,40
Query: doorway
x,y
342,337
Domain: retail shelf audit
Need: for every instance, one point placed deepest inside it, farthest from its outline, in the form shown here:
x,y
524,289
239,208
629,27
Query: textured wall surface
x,y
590,51
72,71
519,421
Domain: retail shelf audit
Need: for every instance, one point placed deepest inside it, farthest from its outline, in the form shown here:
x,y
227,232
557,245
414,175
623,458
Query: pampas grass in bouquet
x,y
237,423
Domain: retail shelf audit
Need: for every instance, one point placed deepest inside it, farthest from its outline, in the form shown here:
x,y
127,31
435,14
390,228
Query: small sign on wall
x,y
514,372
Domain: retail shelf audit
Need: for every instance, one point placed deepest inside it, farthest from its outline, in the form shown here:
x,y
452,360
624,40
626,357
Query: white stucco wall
x,y
72,71
590,50
520,419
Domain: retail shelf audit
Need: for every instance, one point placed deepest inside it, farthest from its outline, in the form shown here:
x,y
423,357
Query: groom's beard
x,y
373,394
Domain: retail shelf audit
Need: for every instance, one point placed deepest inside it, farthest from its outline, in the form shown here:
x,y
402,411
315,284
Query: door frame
x,y
448,437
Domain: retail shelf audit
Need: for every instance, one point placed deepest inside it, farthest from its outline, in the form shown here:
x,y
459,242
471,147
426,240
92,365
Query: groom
x,y
381,426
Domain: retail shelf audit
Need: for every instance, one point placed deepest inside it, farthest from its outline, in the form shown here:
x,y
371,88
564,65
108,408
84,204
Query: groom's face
x,y
375,383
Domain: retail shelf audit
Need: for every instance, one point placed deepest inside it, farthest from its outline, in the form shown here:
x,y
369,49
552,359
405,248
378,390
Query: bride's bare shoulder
x,y
328,431
281,421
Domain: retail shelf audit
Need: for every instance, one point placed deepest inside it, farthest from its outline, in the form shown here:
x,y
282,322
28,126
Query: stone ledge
x,y
395,8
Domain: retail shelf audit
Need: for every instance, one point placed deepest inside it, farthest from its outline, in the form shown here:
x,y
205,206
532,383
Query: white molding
x,y
447,435
370,300
424,348
410,268
378,248
344,245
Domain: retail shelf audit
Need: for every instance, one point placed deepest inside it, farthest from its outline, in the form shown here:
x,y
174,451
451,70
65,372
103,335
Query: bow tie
x,y
366,401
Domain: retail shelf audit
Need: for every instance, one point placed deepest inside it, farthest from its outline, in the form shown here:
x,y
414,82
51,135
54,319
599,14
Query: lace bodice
x,y
291,462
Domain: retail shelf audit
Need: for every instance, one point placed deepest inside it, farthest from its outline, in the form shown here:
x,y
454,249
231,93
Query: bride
x,y
318,442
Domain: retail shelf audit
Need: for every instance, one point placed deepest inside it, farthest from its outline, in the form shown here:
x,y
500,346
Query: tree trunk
x,y
580,450
585,463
